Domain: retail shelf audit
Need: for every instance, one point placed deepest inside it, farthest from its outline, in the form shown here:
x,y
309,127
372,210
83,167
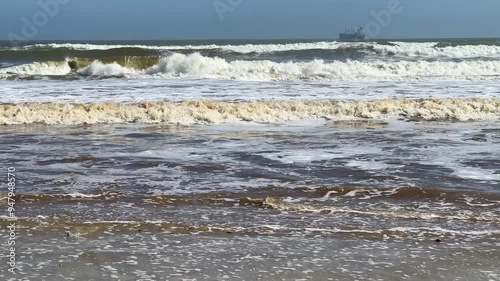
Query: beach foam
x,y
214,112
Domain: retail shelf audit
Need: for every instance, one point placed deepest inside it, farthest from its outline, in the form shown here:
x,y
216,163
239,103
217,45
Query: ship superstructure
x,y
353,34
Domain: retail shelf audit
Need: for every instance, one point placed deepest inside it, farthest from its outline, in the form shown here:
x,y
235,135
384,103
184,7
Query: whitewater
x,y
269,82
196,65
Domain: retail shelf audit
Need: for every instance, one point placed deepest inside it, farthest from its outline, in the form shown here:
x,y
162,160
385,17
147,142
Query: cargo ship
x,y
353,34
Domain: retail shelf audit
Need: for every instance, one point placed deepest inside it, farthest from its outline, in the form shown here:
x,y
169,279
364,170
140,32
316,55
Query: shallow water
x,y
313,200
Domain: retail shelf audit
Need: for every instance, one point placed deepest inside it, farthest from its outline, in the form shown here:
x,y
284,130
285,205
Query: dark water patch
x,y
427,174
79,159
477,138
205,168
259,173
146,164
358,124
61,54
491,164
144,136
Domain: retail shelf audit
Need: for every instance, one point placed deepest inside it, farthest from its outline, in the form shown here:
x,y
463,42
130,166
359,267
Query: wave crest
x,y
214,112
196,65
408,49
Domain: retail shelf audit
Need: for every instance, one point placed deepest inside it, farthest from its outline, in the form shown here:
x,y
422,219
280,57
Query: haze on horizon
x,y
249,19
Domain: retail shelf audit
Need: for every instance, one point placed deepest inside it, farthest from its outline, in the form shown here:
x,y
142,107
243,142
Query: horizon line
x,y
259,39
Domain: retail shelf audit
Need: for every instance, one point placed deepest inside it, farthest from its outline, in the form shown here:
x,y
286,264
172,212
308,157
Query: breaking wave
x,y
197,65
437,50
402,49
214,112
37,68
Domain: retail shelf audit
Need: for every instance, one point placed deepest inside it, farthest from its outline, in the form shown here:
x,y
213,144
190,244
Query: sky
x,y
245,19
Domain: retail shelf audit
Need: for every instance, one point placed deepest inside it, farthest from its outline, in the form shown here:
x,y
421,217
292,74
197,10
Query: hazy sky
x,y
250,19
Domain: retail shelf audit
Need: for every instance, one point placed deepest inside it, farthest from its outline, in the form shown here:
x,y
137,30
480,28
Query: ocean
x,y
251,160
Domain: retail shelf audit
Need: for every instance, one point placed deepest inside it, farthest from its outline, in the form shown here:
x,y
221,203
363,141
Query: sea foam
x,y
214,112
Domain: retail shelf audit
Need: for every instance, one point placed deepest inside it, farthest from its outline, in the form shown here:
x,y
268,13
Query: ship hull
x,y
347,36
